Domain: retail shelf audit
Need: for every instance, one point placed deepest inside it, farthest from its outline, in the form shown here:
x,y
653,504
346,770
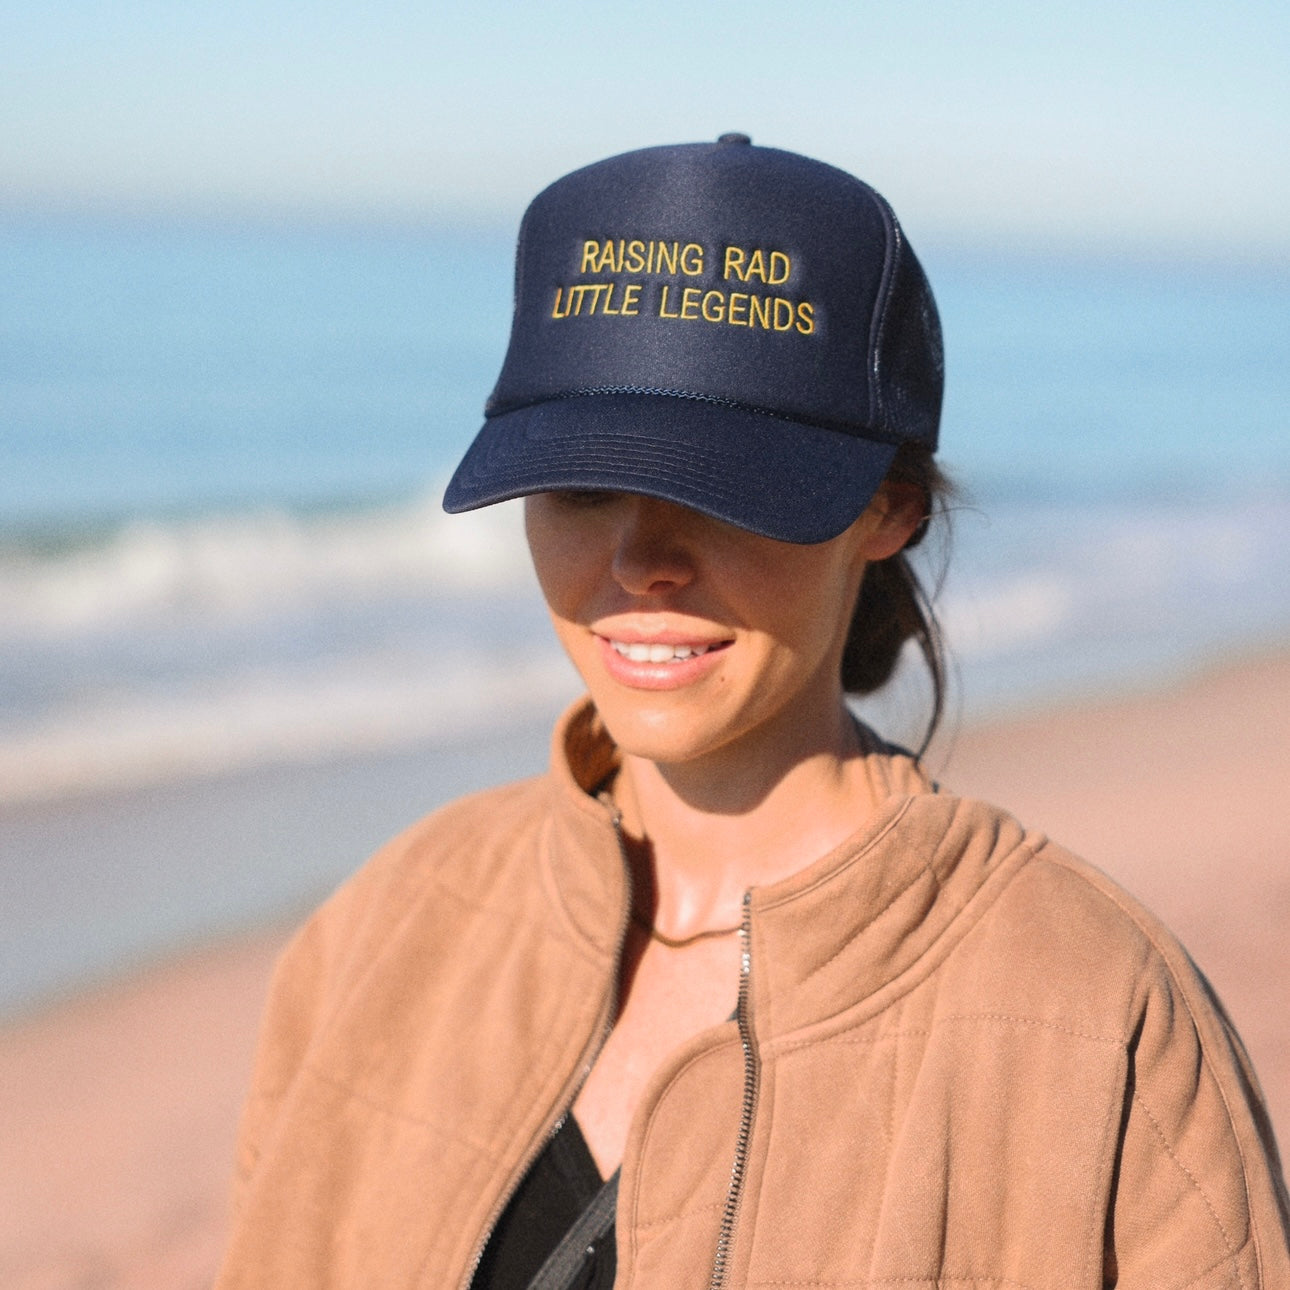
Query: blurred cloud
x,y
1092,123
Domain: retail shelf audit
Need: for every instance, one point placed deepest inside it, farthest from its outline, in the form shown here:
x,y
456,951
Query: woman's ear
x,y
892,518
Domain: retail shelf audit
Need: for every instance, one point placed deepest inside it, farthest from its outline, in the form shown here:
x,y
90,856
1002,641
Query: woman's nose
x,y
653,554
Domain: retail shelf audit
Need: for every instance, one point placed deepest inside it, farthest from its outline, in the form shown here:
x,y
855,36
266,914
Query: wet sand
x,y
117,1109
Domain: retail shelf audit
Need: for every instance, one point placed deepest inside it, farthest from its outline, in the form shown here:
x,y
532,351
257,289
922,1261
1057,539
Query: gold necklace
x,y
670,942
679,943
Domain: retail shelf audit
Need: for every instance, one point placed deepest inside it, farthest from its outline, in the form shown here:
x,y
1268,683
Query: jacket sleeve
x,y
1198,1195
311,977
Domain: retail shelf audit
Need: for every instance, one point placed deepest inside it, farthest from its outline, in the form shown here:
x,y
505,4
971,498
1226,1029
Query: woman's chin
x,y
658,731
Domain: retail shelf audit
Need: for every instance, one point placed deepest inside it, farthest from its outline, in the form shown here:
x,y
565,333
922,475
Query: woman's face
x,y
691,634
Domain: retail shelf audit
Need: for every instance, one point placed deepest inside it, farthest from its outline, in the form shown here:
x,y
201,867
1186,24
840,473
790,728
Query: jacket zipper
x,y
584,1069
752,1072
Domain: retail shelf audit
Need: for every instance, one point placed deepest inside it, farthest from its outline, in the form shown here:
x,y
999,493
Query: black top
x,y
559,1185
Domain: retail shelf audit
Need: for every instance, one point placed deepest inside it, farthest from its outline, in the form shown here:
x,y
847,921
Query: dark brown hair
x,y
893,605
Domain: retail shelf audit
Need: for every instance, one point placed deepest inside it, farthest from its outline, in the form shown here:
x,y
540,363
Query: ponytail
x,y
893,606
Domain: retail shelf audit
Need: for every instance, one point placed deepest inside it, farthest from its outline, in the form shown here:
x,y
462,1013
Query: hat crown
x,y
730,273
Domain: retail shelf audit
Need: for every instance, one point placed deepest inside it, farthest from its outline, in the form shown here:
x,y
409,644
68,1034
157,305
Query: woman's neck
x,y
700,834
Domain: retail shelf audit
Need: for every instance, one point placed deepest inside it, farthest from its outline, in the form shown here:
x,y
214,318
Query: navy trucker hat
x,y
740,330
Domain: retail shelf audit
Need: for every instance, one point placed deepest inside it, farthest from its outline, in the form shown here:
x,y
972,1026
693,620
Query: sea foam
x,y
168,651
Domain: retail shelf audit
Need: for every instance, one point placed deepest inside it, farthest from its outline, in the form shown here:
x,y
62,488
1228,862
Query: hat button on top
x,y
734,137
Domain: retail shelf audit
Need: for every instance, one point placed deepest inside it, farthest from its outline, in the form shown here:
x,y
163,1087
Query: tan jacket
x,y
974,1063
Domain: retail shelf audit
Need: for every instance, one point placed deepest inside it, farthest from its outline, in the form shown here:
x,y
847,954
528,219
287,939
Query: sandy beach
x,y
118,1108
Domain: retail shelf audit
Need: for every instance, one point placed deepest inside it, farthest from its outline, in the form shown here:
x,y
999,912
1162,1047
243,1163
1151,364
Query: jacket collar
x,y
833,936
584,865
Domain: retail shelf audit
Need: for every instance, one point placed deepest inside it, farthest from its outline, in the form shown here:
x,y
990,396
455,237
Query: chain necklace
x,y
680,942
669,942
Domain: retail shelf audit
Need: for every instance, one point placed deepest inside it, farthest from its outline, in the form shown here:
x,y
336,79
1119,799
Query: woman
x,y
814,1021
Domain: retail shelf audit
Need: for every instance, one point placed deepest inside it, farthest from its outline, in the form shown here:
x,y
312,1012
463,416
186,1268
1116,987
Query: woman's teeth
x,y
640,652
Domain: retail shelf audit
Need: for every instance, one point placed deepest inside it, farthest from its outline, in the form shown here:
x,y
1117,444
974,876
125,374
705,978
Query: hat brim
x,y
782,479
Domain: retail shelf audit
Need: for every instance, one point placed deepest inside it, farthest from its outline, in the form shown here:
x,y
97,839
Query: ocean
x,y
222,449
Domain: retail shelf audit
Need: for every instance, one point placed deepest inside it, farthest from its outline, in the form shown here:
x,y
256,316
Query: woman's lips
x,y
659,664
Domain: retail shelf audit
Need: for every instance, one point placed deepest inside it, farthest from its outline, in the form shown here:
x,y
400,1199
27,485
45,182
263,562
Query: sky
x,y
1090,124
